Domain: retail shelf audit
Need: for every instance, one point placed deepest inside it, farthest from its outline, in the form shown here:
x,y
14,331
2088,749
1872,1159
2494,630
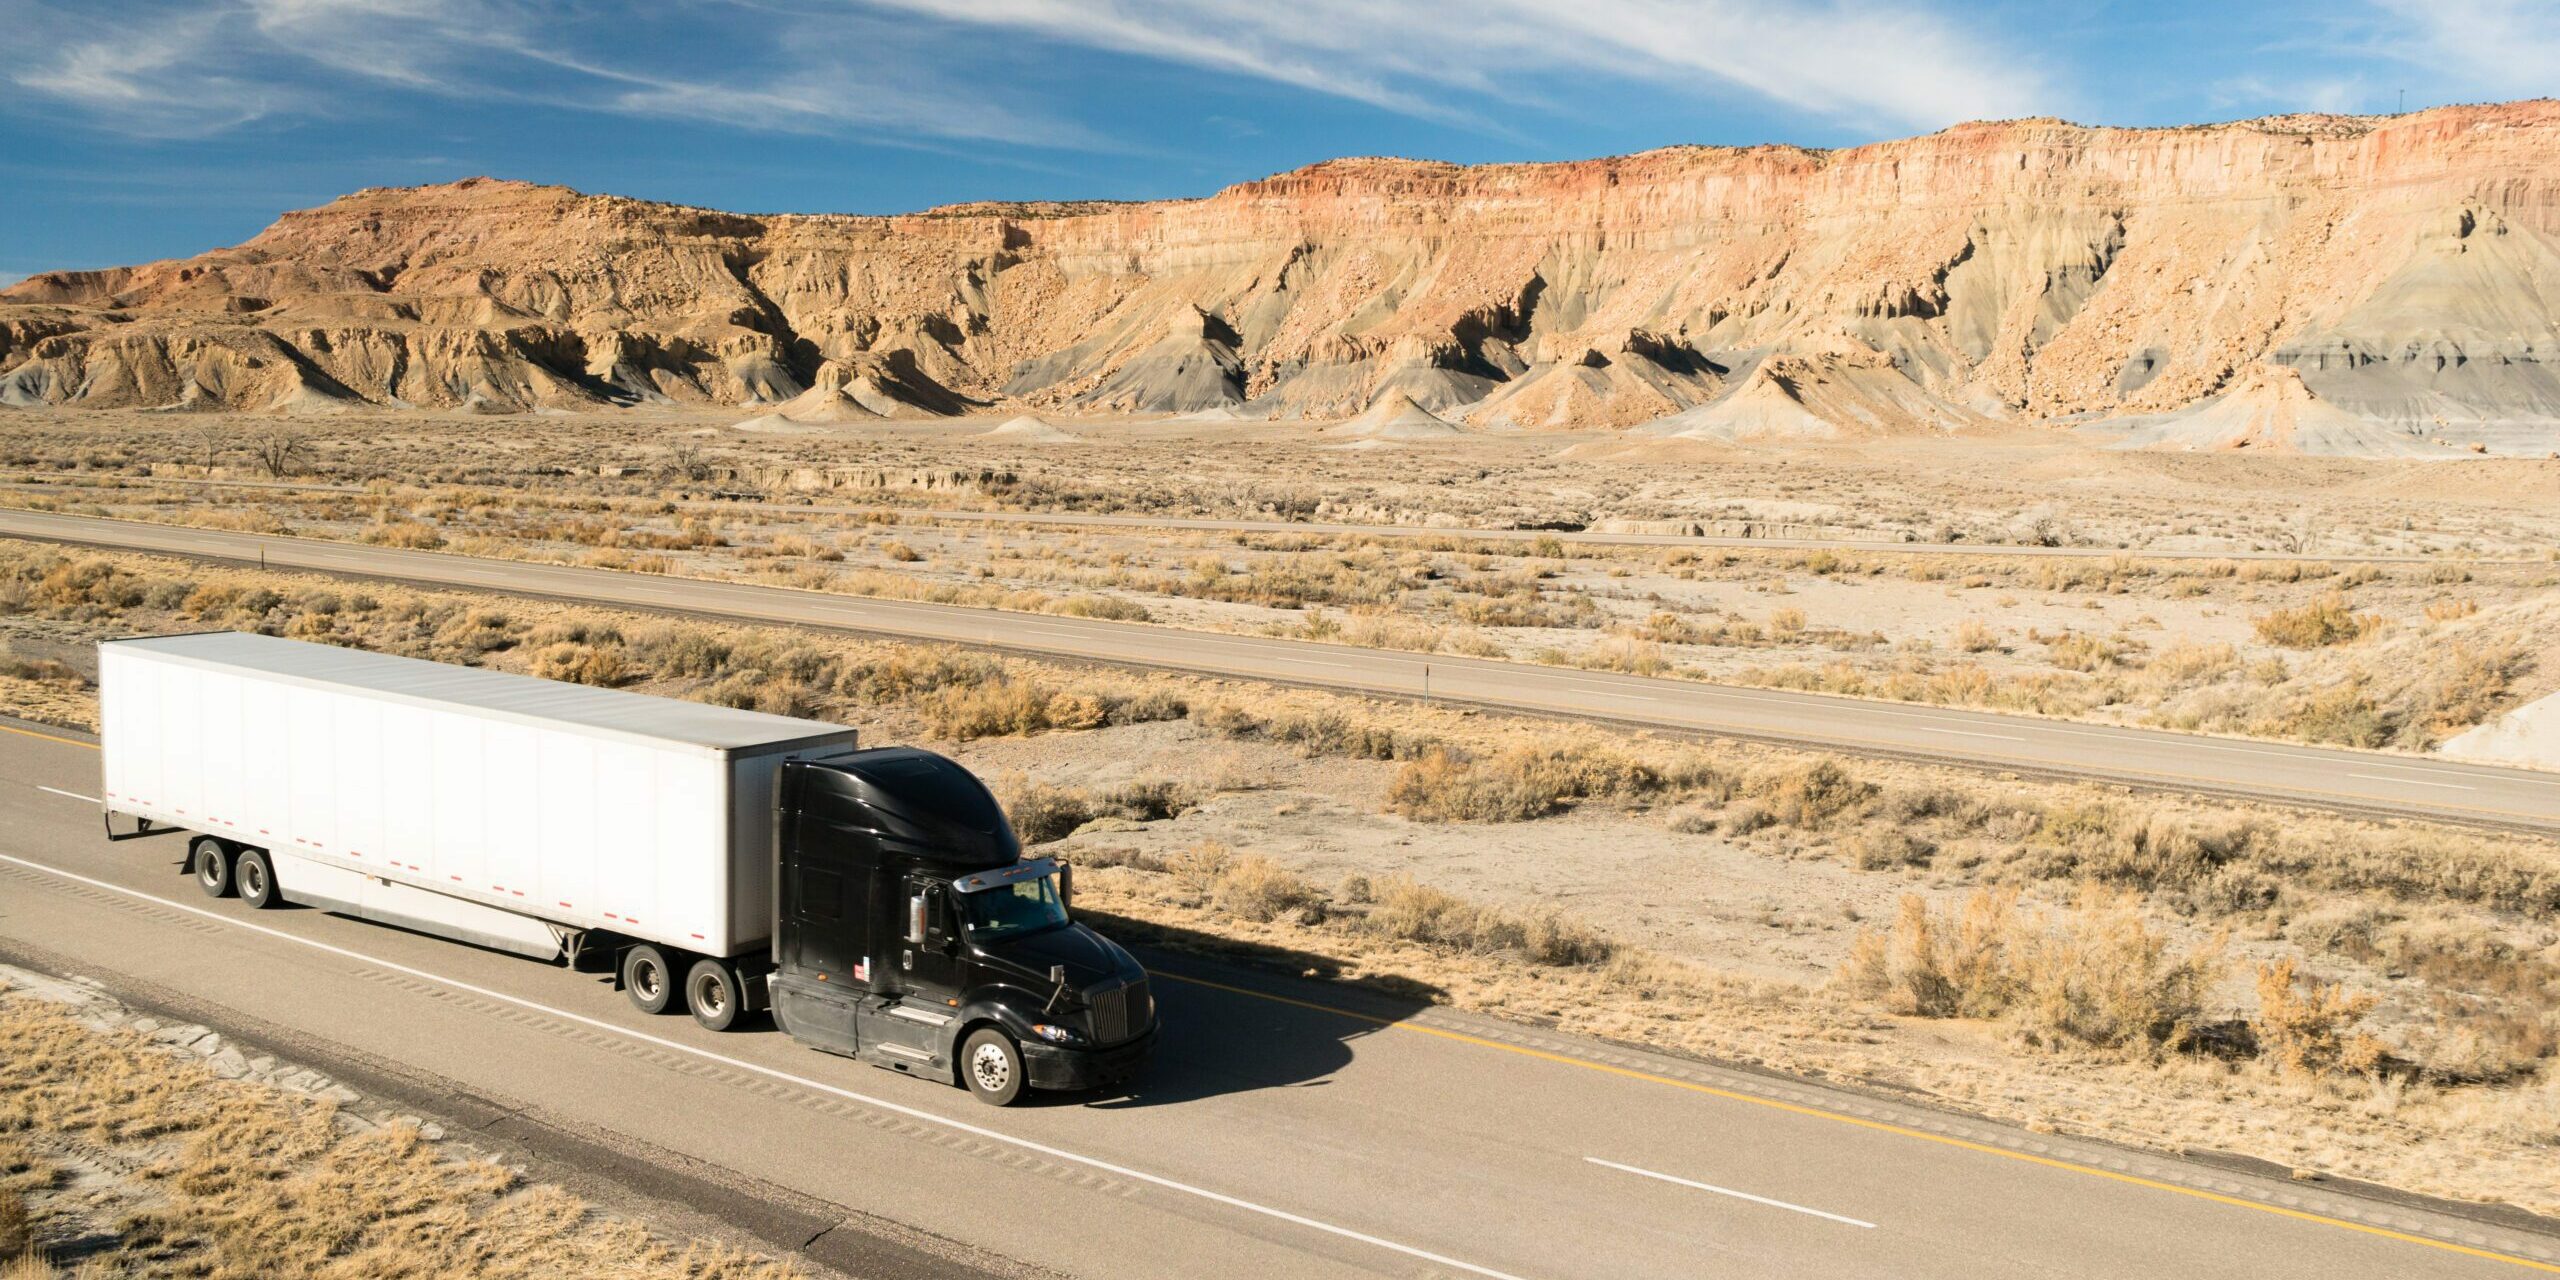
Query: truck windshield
x,y
1025,906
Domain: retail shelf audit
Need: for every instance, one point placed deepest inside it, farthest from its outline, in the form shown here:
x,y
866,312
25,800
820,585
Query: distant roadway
x,y
1286,1130
1569,537
2369,783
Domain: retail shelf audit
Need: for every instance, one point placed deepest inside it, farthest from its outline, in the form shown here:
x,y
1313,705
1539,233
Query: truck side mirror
x,y
915,920
1066,884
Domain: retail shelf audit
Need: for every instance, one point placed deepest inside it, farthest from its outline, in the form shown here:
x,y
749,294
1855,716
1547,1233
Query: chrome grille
x,y
1110,1015
1141,1007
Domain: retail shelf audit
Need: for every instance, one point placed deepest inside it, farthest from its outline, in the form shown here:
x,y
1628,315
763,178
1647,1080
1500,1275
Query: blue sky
x,y
140,130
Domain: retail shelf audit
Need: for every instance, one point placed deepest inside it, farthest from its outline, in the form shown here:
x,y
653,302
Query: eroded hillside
x,y
2408,268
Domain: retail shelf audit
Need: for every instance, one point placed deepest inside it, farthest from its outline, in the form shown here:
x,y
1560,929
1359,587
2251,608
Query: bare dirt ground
x,y
2309,647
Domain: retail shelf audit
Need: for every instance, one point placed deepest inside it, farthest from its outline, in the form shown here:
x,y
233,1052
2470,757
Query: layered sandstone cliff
x,y
2408,268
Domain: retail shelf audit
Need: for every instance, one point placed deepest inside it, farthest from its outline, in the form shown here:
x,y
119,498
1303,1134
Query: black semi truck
x,y
720,861
915,936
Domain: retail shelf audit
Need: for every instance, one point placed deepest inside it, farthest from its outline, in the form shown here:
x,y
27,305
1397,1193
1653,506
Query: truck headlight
x,y
1057,1034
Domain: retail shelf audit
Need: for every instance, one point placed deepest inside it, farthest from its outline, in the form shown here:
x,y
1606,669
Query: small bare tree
x,y
282,452
2044,525
210,439
684,459
2303,533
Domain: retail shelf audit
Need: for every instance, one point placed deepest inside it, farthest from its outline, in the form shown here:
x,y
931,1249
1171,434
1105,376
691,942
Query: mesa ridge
x,y
2403,272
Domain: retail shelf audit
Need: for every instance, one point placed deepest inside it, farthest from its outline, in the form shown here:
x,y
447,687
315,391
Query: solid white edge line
x,y
74,795
1727,1191
786,1077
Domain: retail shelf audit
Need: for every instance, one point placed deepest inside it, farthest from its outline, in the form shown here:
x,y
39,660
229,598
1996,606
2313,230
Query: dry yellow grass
x,y
1654,612
2095,976
2094,1007
236,1180
2461,1109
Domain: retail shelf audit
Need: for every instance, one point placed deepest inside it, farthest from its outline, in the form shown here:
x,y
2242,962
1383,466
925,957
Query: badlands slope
x,y
2402,273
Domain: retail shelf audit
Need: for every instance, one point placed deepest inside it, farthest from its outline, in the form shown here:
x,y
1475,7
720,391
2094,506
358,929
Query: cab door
x,y
930,970
909,1026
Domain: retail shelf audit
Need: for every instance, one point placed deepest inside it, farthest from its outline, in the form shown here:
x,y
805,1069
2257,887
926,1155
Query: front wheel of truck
x,y
991,1066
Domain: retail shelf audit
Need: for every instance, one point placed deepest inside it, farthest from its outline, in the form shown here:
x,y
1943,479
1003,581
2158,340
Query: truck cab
x,y
912,934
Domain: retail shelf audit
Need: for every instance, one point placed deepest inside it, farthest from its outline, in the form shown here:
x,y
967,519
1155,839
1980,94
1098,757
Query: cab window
x,y
1025,906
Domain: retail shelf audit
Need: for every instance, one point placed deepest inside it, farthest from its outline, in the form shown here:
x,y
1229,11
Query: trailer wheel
x,y
992,1067
713,992
256,878
650,980
210,861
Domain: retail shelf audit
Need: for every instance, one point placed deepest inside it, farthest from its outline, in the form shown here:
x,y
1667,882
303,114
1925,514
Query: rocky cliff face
x,y
2408,268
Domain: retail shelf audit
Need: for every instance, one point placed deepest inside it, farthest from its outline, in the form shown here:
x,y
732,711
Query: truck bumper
x,y
1050,1066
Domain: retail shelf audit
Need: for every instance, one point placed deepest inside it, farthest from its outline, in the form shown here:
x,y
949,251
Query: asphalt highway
x,y
2370,783
1288,1129
785,509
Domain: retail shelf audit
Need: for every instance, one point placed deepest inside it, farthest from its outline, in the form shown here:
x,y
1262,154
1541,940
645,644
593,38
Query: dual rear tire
x,y
224,870
209,860
710,988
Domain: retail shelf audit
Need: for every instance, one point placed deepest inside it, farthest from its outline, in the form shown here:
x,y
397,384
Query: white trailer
x,y
523,814
726,861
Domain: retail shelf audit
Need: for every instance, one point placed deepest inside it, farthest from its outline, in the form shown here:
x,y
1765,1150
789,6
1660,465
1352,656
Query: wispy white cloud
x,y
198,67
2336,95
2489,48
1864,60
140,77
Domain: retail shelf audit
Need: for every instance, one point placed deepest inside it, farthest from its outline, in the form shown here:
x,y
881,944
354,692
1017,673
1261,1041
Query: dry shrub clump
x,y
2307,1026
1809,795
1005,703
2325,621
1248,886
402,533
2095,976
251,1180
1408,910
1322,729
1042,813
1393,909
1524,781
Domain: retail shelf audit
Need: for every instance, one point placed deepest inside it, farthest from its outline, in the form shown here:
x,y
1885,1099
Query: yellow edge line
x,y
1879,1126
30,733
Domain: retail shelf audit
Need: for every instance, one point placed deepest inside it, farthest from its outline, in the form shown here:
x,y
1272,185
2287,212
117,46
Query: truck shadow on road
x,y
1239,1017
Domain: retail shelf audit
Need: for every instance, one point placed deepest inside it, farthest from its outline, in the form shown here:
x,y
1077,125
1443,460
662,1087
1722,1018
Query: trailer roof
x,y
496,694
